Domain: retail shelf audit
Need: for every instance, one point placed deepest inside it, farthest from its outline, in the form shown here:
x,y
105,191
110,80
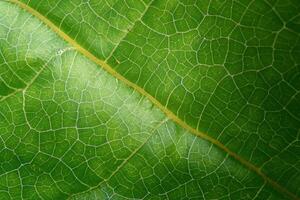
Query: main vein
x,y
164,109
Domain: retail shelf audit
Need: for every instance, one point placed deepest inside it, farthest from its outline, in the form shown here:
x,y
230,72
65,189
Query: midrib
x,y
139,89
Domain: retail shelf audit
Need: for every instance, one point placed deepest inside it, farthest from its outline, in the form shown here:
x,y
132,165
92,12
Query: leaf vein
x,y
140,90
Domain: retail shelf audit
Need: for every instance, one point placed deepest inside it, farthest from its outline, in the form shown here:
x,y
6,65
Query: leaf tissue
x,y
150,99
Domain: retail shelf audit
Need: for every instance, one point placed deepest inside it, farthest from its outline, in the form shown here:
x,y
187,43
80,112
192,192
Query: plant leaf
x,y
149,100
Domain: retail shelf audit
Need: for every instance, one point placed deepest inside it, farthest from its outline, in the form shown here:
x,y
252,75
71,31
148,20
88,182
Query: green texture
x,y
227,69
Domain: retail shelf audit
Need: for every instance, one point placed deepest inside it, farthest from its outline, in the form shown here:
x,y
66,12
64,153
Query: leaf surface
x,y
149,100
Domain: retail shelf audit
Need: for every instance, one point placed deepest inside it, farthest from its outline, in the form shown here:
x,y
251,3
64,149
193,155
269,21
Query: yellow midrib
x,y
139,89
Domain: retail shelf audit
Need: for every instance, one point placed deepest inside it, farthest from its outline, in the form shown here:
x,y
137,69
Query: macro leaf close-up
x,y
150,99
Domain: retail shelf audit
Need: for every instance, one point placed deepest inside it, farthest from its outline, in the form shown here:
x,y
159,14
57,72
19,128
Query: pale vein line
x,y
127,159
139,89
45,65
128,31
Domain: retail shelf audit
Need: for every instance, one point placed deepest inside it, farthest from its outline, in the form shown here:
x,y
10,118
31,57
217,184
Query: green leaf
x,y
123,99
